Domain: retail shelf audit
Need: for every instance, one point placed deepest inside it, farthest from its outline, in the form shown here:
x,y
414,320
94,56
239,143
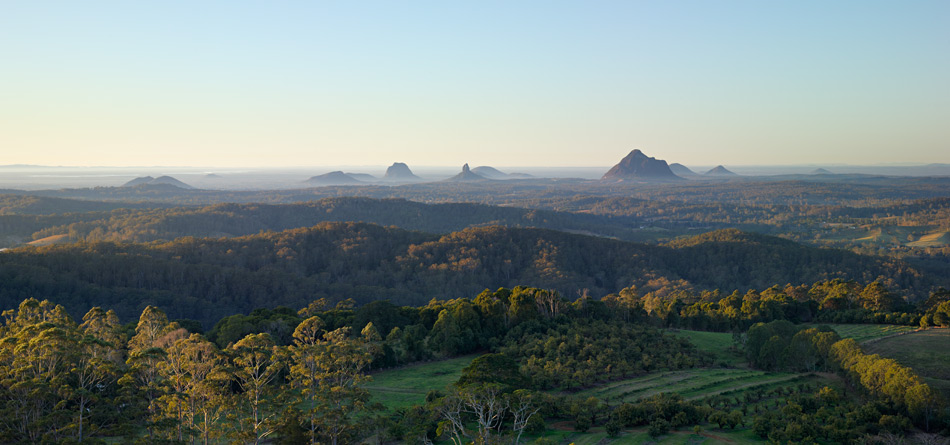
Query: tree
x,y
143,383
196,380
97,361
256,363
923,403
304,370
493,368
328,369
876,297
522,406
36,355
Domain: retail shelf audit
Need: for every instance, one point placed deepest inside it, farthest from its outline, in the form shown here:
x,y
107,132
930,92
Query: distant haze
x,y
572,84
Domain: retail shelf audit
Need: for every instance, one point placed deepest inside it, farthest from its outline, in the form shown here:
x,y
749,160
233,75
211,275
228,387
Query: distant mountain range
x,y
467,175
494,173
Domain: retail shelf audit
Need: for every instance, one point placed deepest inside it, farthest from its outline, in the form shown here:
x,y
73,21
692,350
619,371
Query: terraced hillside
x,y
862,333
691,384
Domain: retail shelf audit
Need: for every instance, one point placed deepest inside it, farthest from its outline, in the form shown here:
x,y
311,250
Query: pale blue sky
x,y
507,83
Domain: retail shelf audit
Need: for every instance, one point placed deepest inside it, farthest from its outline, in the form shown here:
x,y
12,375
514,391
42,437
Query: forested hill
x,y
209,278
246,219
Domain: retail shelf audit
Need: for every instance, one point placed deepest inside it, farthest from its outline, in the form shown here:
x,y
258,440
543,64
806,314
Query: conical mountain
x,y
638,166
821,171
467,175
681,170
168,180
400,172
139,181
720,171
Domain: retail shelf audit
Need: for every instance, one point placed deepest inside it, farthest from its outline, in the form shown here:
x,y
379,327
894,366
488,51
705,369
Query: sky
x,y
502,83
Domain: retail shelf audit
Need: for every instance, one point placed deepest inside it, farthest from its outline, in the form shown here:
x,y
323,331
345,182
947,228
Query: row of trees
x,y
780,345
67,381
495,318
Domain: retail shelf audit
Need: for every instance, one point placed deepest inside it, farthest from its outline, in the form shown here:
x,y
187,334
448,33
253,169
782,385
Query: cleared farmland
x,y
691,384
865,332
927,352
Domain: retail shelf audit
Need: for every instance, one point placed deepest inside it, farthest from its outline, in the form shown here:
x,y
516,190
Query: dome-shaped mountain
x,y
720,171
490,172
400,172
161,180
638,166
681,170
821,171
333,178
467,175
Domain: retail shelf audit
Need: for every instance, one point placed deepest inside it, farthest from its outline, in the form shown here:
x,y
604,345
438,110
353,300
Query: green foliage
x,y
498,369
578,354
208,279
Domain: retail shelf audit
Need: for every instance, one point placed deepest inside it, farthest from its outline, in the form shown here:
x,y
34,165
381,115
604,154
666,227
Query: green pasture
x,y
890,235
864,332
407,386
926,352
719,344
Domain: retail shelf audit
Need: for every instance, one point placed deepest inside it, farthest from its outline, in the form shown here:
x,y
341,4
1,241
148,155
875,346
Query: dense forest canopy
x,y
207,279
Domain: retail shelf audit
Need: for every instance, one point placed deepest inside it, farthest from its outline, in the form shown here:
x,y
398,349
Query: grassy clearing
x,y
691,384
407,386
718,344
49,240
864,332
890,235
936,239
927,352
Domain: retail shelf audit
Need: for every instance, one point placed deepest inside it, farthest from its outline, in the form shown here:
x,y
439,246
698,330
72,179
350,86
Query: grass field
x,y
55,239
936,239
891,235
718,344
864,332
408,385
927,352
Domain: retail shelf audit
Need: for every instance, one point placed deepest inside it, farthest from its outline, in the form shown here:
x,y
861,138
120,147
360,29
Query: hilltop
x,y
400,172
638,166
161,180
720,171
333,178
681,170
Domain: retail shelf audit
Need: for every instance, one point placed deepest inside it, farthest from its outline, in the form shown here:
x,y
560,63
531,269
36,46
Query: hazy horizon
x,y
544,84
